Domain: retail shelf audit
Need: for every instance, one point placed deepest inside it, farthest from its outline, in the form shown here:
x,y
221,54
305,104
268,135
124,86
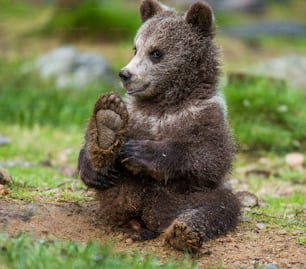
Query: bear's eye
x,y
156,55
135,50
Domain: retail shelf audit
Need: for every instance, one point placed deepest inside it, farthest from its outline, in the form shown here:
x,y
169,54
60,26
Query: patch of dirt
x,y
244,248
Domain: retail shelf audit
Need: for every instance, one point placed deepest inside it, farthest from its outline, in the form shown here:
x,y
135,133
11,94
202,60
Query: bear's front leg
x,y
159,159
104,136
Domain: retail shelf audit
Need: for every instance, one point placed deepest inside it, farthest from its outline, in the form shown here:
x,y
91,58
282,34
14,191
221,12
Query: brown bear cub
x,y
158,159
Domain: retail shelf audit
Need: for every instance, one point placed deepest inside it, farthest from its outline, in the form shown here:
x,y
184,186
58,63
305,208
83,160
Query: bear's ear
x,y
149,8
200,15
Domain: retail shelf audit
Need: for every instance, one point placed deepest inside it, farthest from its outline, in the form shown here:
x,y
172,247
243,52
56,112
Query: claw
x,y
97,183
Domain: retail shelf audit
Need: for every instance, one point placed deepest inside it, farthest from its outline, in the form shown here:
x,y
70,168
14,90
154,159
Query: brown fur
x,y
166,162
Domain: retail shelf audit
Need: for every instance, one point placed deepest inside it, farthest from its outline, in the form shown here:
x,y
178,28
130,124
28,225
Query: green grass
x,y
109,20
32,143
24,252
295,45
26,100
280,190
286,212
266,115
30,147
91,19
38,182
282,205
17,9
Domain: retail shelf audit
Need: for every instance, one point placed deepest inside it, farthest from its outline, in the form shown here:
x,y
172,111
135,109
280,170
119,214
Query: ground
x,y
244,247
254,242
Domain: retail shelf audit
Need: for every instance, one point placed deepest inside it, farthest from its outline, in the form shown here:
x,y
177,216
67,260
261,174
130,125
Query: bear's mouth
x,y
133,90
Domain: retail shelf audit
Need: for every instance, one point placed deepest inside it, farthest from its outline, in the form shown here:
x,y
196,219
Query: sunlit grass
x,y
38,143
35,159
287,213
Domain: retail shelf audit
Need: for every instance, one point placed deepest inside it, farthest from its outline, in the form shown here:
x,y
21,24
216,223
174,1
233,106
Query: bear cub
x,y
158,159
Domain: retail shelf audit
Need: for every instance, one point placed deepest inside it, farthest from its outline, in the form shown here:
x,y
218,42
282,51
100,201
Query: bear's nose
x,y
125,75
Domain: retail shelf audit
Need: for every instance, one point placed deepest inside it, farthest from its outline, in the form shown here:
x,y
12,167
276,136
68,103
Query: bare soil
x,y
246,247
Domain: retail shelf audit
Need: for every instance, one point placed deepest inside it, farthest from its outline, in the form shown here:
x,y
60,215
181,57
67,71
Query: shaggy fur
x,y
159,159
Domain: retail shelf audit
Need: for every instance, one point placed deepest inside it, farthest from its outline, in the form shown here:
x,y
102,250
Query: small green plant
x,y
302,240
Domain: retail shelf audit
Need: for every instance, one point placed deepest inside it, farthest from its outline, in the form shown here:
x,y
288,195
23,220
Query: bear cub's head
x,y
174,53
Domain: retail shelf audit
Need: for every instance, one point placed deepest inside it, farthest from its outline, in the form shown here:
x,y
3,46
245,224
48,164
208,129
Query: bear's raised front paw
x,y
106,129
180,236
111,116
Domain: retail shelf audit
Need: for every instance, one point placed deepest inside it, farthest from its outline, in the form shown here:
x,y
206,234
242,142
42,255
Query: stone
x,y
260,226
72,68
5,178
247,199
56,62
266,28
4,140
290,68
295,159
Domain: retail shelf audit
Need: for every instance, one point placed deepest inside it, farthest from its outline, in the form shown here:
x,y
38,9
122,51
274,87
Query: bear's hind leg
x,y
121,203
104,136
106,130
182,236
217,213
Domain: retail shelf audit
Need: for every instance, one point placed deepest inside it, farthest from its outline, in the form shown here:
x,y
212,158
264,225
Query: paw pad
x,y
106,130
180,236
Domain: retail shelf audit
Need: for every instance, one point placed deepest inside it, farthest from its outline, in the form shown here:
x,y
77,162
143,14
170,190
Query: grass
x,y
30,148
17,9
31,143
295,45
93,19
38,183
26,100
23,252
266,115
279,188
283,212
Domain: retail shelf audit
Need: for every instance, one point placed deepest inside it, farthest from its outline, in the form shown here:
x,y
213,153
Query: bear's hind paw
x,y
180,236
107,129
